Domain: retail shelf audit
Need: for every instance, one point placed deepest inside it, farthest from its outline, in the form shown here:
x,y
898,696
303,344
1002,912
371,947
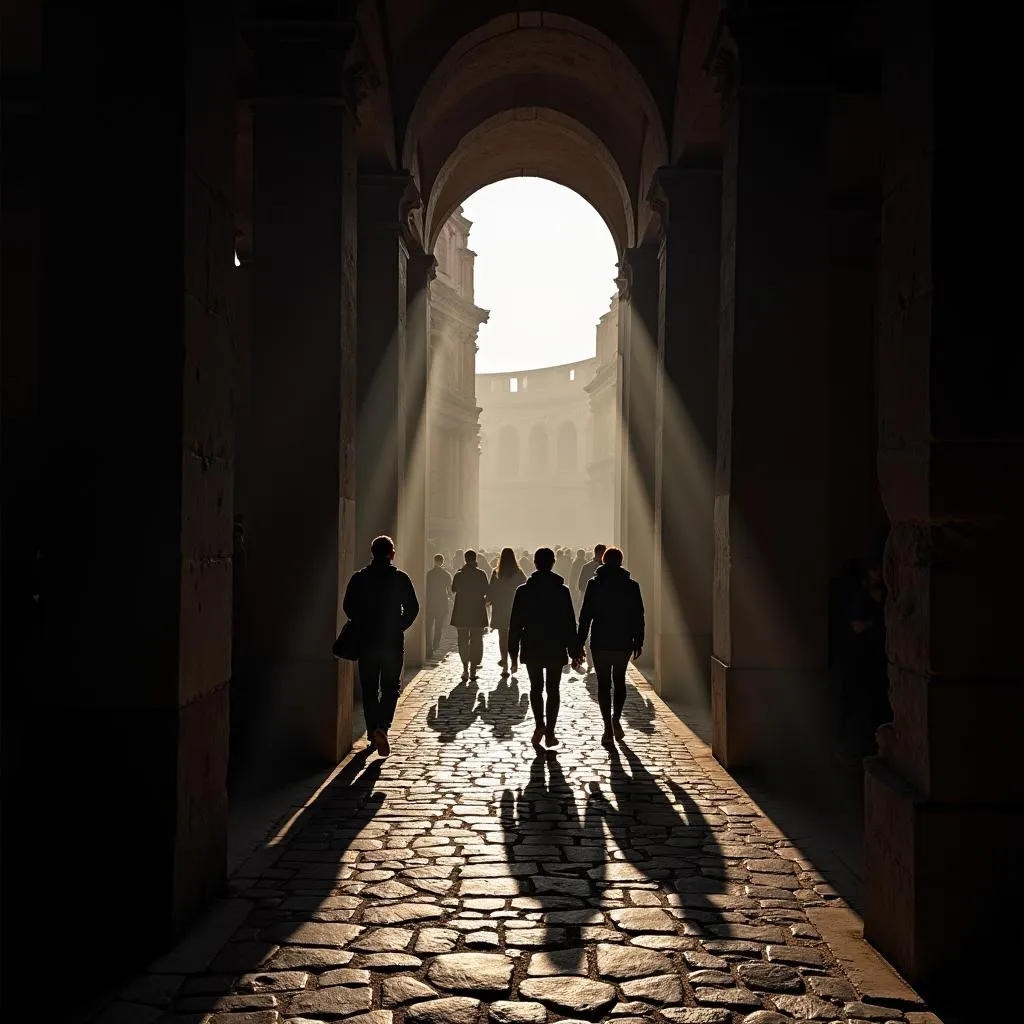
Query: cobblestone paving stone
x,y
468,879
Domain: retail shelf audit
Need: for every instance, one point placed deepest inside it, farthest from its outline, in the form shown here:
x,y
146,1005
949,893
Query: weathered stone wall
x,y
121,684
944,796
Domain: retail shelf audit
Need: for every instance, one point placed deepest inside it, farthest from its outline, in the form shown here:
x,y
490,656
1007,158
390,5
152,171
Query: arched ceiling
x,y
424,32
552,97
532,141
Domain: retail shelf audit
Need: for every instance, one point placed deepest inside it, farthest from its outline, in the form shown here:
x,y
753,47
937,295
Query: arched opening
x,y
544,270
567,445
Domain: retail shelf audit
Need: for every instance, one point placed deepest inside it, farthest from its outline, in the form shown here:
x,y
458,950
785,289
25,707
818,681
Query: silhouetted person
x,y
469,616
614,610
588,569
500,592
543,628
439,585
577,564
563,564
585,575
381,600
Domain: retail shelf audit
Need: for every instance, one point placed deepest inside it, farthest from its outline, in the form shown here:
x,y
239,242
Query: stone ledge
x,y
875,980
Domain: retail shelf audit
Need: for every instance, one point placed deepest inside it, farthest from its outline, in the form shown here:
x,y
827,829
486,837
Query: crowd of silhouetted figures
x,y
592,611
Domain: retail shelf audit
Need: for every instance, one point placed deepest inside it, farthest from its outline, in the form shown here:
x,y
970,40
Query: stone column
x,y
771,512
300,527
412,523
473,485
382,304
638,331
856,516
118,461
944,796
688,314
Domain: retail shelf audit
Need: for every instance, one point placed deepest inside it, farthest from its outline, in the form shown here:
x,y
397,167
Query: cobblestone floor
x,y
469,879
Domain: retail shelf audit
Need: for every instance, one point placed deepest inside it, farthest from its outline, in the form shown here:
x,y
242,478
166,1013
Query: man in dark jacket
x,y
381,600
469,616
543,624
439,583
612,604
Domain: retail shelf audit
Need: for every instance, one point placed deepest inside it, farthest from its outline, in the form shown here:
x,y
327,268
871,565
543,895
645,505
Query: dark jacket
x,y
612,603
500,592
439,583
586,574
543,622
381,600
470,587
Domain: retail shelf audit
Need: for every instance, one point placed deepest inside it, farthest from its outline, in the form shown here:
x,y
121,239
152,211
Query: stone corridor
x,y
468,879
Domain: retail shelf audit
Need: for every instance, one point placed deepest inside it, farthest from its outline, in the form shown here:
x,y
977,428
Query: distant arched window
x,y
538,451
568,443
508,452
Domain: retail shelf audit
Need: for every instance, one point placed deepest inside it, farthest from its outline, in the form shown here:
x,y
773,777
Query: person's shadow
x,y
668,841
504,707
542,825
454,712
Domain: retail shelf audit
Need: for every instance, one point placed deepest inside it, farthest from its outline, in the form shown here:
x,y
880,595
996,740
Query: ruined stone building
x,y
452,421
537,432
221,223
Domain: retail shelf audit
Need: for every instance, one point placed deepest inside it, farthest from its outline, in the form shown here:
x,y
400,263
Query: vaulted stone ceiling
x,y
585,94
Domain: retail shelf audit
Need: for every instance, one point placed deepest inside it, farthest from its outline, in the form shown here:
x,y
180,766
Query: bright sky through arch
x,y
545,268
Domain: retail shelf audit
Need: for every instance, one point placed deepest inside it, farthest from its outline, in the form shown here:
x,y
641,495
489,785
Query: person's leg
x,y
438,630
464,650
603,667
619,665
369,684
554,681
536,674
503,647
476,650
390,684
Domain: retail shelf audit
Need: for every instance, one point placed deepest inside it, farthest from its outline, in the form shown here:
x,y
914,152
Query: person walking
x,y
583,577
501,591
586,573
574,576
543,627
563,564
381,600
613,610
469,616
439,587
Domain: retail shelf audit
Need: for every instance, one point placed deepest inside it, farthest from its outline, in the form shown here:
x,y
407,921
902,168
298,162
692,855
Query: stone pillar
x,y
944,796
473,476
380,448
412,523
118,451
300,528
638,332
771,573
688,313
